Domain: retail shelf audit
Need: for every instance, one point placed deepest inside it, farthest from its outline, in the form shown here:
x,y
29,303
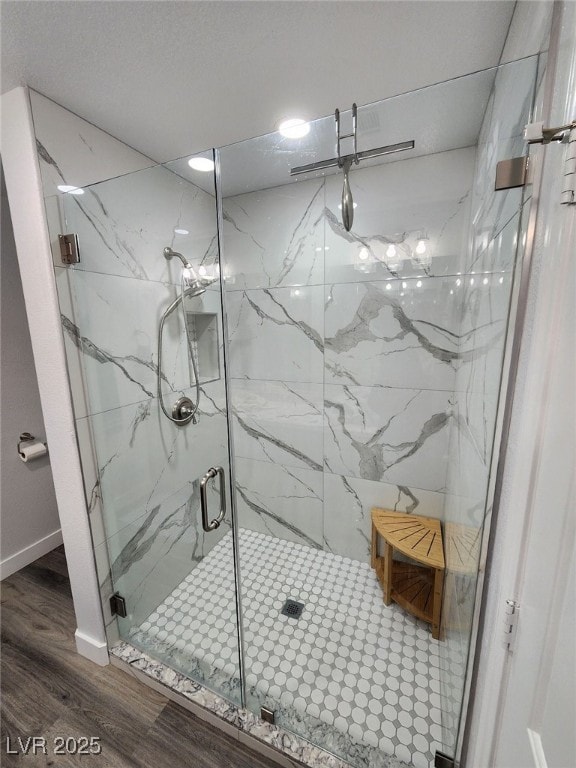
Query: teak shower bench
x,y
415,587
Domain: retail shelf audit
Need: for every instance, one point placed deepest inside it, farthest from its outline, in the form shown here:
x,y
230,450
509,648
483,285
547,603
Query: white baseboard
x,y
29,554
95,650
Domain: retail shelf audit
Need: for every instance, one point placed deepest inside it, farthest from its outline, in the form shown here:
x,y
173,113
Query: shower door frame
x,y
231,456
516,312
475,732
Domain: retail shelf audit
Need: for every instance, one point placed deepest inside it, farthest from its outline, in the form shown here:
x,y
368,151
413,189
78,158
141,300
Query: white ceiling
x,y
173,77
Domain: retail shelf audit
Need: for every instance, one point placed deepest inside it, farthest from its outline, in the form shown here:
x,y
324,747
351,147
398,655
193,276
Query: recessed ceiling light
x,y
295,128
203,164
181,232
70,190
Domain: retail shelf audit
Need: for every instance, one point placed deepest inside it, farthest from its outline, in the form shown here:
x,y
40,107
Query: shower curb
x,y
284,748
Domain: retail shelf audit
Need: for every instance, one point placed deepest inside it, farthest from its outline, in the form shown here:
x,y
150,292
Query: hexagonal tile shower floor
x,y
351,674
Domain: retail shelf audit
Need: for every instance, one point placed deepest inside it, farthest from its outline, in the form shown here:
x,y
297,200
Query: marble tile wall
x,y
343,359
141,472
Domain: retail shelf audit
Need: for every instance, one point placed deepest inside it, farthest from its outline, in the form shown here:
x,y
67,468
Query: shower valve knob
x,y
184,411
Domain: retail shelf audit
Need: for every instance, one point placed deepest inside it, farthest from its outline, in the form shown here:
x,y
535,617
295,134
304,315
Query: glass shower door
x,y
154,438
365,365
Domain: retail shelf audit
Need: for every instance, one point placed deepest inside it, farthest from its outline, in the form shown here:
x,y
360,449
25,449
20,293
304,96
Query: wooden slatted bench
x,y
417,587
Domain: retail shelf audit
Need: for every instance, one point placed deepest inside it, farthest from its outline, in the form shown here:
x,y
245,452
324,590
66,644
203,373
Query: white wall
x,y
24,187
28,513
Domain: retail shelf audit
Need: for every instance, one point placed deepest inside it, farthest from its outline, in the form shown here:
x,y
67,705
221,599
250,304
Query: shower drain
x,y
293,609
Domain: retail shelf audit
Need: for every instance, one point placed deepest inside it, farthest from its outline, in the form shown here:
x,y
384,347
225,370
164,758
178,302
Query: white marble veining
x,y
277,334
501,138
399,436
154,553
74,152
348,502
275,238
124,224
396,203
91,480
113,322
283,501
74,355
114,325
143,457
278,421
398,333
485,305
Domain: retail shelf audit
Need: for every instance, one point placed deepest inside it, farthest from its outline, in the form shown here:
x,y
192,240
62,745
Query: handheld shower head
x,y
194,285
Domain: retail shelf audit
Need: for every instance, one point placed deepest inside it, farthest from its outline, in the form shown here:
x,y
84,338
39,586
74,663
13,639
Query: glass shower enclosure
x,y
329,371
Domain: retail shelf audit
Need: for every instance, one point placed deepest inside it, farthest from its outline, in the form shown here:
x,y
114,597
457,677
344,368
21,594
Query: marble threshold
x,y
285,748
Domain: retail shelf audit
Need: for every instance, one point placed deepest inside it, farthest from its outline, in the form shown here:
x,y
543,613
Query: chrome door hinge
x,y
69,248
118,606
568,194
535,133
511,612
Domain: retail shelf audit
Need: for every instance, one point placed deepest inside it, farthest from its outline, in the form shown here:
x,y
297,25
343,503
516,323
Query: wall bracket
x,y
511,173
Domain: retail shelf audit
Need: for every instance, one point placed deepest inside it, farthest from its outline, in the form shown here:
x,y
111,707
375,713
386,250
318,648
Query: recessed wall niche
x,y
205,341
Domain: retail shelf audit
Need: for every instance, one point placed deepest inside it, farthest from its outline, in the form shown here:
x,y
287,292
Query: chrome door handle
x,y
213,524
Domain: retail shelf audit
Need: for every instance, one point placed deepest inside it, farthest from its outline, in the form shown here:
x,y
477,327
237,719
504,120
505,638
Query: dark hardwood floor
x,y
49,691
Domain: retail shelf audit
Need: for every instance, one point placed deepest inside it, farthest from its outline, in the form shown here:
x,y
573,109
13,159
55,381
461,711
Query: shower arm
x,y
169,254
